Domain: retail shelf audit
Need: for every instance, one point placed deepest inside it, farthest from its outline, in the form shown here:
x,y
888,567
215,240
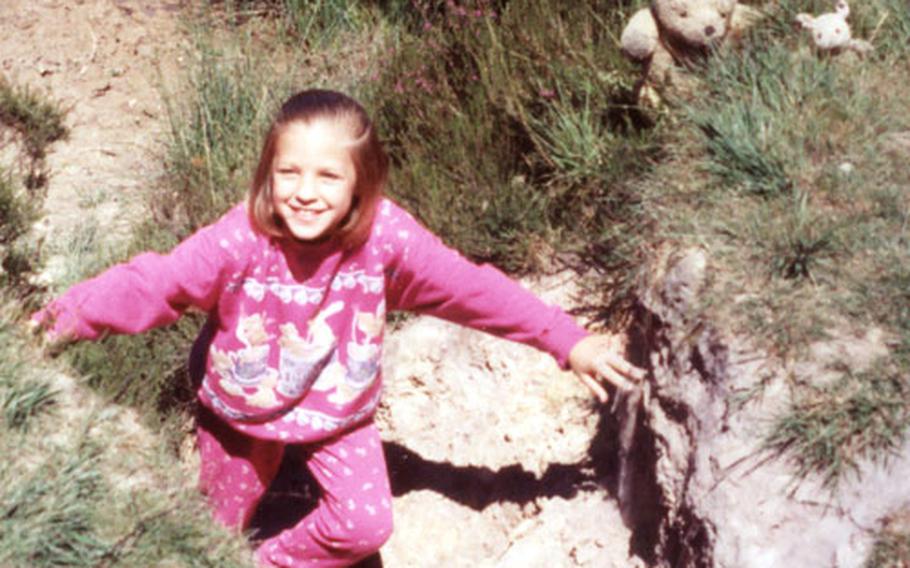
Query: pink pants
x,y
352,519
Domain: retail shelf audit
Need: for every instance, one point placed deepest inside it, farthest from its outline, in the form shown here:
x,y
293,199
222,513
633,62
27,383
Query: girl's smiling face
x,y
313,178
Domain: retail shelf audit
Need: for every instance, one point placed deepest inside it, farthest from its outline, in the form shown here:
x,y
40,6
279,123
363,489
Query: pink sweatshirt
x,y
294,338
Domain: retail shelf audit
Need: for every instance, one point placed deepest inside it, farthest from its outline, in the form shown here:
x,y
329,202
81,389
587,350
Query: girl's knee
x,y
367,533
346,533
359,532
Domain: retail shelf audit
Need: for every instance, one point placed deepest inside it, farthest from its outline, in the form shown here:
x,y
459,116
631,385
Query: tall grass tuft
x,y
313,24
886,23
801,238
23,395
24,400
17,213
38,119
59,504
174,529
509,124
766,110
215,134
828,430
46,514
39,122
148,371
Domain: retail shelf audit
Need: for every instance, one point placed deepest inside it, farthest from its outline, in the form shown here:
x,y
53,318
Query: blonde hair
x,y
371,164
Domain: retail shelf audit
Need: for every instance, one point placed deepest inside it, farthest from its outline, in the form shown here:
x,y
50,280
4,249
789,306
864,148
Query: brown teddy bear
x,y
676,33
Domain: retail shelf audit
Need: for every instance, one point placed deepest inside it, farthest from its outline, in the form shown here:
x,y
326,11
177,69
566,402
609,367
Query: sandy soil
x,y
104,62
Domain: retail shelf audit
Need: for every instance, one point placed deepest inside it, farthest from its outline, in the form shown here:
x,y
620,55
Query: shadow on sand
x,y
294,492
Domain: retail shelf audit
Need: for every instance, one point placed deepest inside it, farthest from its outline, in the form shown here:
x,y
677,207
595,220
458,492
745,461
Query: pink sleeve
x,y
428,277
150,290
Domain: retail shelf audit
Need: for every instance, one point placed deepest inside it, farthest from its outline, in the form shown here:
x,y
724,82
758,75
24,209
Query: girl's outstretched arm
x,y
430,278
150,290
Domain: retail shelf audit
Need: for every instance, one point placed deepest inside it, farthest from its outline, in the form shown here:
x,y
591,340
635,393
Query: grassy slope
x,y
792,175
81,483
801,200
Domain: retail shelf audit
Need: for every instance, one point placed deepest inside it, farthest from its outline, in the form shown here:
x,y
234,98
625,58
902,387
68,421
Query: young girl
x,y
296,283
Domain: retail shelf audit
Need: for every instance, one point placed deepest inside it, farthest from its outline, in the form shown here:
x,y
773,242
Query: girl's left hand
x,y
597,358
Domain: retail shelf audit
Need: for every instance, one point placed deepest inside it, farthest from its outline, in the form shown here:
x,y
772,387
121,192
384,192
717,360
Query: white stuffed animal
x,y
831,32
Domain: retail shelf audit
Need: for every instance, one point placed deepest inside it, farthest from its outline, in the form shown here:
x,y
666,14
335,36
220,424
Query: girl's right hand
x,y
45,325
37,322
597,359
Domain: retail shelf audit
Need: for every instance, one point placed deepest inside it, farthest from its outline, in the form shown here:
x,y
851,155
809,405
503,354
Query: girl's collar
x,y
310,248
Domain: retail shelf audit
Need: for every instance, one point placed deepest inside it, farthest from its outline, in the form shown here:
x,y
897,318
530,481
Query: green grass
x,y
830,429
46,515
81,253
39,122
62,511
314,24
23,400
511,128
148,371
17,213
215,135
59,504
23,395
38,119
767,113
44,509
886,23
